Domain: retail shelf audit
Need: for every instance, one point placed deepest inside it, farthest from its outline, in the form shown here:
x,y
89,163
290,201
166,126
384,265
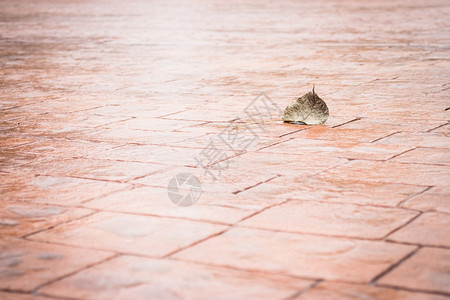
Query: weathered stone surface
x,y
103,102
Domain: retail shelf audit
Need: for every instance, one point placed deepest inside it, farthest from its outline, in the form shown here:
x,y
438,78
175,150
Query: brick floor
x,y
104,102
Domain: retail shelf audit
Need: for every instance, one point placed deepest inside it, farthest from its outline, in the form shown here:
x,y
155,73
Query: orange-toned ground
x,y
104,102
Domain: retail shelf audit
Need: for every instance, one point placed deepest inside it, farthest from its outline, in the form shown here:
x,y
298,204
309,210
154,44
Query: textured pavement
x,y
104,102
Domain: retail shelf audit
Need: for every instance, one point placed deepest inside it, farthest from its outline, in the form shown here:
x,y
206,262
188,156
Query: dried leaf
x,y
309,109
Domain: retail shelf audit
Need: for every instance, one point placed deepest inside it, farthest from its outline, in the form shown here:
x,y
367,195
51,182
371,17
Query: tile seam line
x,y
305,290
176,251
394,265
431,130
255,185
26,237
227,229
228,267
399,205
401,153
21,292
401,288
271,145
403,225
333,167
113,256
348,122
221,232
159,216
417,244
383,137
358,204
343,237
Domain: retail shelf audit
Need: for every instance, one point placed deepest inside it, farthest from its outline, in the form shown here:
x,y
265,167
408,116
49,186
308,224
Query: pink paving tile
x,y
435,199
66,191
47,150
270,128
393,172
145,278
429,139
228,177
296,254
155,201
401,124
164,155
336,190
237,142
21,218
336,148
413,107
331,219
419,231
152,124
433,156
205,115
129,233
124,135
286,164
343,134
442,129
27,265
140,109
345,291
96,169
427,270
19,296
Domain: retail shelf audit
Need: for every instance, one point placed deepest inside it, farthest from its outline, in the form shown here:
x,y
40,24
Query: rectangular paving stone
x,y
269,128
245,140
345,291
65,191
442,129
429,139
202,115
21,218
152,124
128,233
163,155
336,148
143,278
96,169
427,270
297,254
432,156
394,172
435,199
404,109
285,164
430,228
20,296
343,134
139,109
155,201
337,190
331,219
127,135
227,177
48,150
26,265
401,124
